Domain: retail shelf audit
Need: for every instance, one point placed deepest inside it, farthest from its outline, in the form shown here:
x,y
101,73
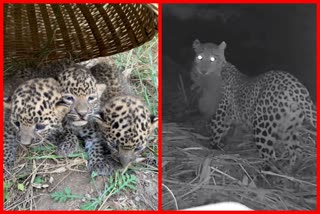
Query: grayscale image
x,y
239,114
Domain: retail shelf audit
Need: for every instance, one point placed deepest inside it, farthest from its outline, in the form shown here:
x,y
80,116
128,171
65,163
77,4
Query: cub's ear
x,y
196,44
100,89
61,109
222,45
154,122
7,101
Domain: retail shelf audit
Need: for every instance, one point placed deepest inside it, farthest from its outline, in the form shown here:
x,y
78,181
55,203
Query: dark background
x,y
259,38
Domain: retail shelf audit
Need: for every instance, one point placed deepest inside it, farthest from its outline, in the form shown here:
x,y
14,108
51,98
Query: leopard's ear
x,y
223,45
196,44
154,122
7,102
100,89
61,109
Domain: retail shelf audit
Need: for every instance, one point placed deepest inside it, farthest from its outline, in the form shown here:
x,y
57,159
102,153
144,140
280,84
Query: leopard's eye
x,y
91,98
199,57
17,124
68,99
40,127
212,59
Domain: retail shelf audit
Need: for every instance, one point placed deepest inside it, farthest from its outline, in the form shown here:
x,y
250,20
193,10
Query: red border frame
x,y
160,76
160,106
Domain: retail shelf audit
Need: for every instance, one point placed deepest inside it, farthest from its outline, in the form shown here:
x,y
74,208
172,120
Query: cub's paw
x,y
9,157
9,164
102,168
68,148
68,144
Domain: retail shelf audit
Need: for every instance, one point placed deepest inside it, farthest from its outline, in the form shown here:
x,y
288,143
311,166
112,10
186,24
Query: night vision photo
x,y
239,114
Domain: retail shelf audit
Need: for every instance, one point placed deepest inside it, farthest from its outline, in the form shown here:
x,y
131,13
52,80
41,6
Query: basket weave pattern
x,y
83,31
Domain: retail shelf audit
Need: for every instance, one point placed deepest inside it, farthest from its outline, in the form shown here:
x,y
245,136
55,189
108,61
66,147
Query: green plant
x,y
65,195
6,186
117,183
38,180
142,62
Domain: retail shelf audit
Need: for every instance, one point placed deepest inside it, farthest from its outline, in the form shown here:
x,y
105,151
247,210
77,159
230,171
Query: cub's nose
x,y
82,112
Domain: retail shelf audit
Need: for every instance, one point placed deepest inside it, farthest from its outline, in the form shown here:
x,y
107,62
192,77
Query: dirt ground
x,y
80,184
59,174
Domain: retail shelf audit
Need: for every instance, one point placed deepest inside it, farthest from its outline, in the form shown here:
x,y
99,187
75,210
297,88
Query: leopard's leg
x,y
68,143
220,123
97,160
196,84
290,135
10,148
276,129
265,139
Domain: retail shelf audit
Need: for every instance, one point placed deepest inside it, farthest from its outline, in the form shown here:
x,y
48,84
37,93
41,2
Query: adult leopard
x,y
273,105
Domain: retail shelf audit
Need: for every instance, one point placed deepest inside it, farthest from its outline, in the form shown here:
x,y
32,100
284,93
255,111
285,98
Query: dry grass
x,y
194,174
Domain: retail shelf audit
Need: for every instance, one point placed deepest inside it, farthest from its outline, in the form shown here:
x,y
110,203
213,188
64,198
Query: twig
x,y
287,177
34,171
174,198
59,182
21,202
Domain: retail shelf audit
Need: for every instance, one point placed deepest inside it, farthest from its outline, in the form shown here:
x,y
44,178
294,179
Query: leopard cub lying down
x,y
125,123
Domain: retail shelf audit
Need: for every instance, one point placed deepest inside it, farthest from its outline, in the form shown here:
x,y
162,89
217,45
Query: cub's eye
x,y
68,98
17,124
212,59
91,98
40,127
199,57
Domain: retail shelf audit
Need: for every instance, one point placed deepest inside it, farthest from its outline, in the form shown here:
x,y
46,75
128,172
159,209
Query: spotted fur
x,y
126,123
84,94
274,105
81,91
33,113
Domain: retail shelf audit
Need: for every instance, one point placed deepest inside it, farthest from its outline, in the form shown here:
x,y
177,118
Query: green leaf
x,y
64,196
131,187
6,186
94,174
88,206
21,187
67,191
62,199
111,180
38,180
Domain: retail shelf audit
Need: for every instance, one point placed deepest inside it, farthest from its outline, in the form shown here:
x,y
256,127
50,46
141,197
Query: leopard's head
x,y
209,57
126,124
81,92
36,110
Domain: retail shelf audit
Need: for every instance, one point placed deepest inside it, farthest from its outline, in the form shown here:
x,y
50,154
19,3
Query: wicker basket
x,y
83,31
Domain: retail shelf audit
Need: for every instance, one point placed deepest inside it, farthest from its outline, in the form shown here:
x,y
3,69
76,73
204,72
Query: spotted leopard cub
x,y
32,114
84,89
125,123
81,92
274,105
